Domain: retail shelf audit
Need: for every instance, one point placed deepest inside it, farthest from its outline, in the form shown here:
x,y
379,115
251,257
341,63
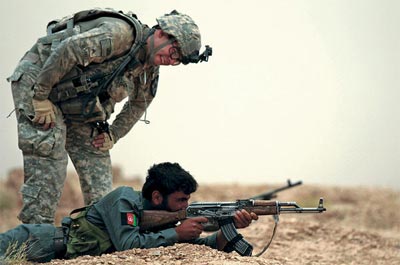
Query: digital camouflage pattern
x,y
184,29
90,46
95,46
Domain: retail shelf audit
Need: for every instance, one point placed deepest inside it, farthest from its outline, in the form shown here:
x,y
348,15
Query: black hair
x,y
168,178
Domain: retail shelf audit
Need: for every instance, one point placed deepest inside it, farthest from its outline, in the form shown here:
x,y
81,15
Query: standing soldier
x,y
65,89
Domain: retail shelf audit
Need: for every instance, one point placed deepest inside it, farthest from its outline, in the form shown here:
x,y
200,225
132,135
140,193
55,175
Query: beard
x,y
164,205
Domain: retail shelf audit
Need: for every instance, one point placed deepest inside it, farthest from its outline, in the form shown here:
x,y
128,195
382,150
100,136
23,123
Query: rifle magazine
x,y
235,240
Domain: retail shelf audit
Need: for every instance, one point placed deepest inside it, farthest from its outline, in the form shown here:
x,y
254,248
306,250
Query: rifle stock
x,y
150,219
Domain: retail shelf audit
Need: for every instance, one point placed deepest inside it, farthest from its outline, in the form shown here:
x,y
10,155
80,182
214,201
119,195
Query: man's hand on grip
x,y
190,228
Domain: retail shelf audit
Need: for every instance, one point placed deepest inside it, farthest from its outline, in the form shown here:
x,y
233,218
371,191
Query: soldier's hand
x,y
45,113
243,218
190,228
104,141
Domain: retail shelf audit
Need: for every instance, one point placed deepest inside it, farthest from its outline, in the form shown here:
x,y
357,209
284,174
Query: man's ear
x,y
156,198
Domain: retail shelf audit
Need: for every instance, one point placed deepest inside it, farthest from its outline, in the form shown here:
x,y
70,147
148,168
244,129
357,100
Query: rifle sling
x,y
276,218
129,59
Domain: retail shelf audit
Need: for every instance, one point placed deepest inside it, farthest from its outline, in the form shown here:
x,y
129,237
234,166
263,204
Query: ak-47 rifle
x,y
220,216
272,193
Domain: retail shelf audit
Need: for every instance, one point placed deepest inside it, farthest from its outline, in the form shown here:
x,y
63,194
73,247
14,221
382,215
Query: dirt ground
x,y
361,226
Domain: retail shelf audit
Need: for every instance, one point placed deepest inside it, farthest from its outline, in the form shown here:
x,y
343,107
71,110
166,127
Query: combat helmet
x,y
187,33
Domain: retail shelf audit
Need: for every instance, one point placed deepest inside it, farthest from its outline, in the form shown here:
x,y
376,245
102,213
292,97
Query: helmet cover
x,y
184,29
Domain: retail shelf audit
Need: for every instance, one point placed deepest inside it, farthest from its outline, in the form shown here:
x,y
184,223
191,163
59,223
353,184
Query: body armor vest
x,y
86,94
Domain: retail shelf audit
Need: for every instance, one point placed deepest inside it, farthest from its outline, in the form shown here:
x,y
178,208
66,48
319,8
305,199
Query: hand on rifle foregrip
x,y
243,218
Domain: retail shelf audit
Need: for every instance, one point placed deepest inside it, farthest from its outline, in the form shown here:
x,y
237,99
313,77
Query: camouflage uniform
x,y
114,215
90,47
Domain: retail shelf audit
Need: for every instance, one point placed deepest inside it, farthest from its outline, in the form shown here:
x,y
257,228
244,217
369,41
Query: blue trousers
x,y
39,240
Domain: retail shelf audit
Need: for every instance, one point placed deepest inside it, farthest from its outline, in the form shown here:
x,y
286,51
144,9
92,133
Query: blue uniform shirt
x,y
118,212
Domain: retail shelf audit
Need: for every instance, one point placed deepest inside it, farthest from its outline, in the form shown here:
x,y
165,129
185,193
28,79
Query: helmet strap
x,y
153,50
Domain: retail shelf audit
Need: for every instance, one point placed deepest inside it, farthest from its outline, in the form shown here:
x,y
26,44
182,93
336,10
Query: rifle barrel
x,y
290,207
272,193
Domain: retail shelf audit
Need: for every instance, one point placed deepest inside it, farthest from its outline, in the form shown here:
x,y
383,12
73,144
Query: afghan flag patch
x,y
129,219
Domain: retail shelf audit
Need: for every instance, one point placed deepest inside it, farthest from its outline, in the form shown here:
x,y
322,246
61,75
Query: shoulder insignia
x,y
129,219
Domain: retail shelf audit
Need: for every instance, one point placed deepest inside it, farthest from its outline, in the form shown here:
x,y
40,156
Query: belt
x,y
60,242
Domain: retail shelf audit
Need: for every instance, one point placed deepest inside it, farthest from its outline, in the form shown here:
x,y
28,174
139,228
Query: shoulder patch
x,y
129,219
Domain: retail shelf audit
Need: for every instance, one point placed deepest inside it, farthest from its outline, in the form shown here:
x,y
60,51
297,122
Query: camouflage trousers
x,y
45,155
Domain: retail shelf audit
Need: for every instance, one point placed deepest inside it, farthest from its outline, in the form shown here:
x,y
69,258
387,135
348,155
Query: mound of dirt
x,y
361,226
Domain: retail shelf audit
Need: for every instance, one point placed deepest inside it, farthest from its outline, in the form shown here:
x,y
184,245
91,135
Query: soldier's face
x,y
167,55
177,201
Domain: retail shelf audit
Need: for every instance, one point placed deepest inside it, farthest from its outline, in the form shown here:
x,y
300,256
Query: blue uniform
x,y
116,213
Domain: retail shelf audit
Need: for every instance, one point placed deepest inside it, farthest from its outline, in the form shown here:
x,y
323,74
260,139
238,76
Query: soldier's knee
x,y
36,209
29,217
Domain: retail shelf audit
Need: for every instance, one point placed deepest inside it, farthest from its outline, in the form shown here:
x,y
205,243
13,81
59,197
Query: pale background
x,y
295,89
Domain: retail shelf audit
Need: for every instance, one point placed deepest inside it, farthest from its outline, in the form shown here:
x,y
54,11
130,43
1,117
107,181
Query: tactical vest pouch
x,y
75,109
86,238
91,109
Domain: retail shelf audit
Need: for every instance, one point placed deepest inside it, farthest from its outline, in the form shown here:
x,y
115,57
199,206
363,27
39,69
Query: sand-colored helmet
x,y
185,31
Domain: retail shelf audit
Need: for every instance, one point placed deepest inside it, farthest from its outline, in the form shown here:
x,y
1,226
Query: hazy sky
x,y
295,89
